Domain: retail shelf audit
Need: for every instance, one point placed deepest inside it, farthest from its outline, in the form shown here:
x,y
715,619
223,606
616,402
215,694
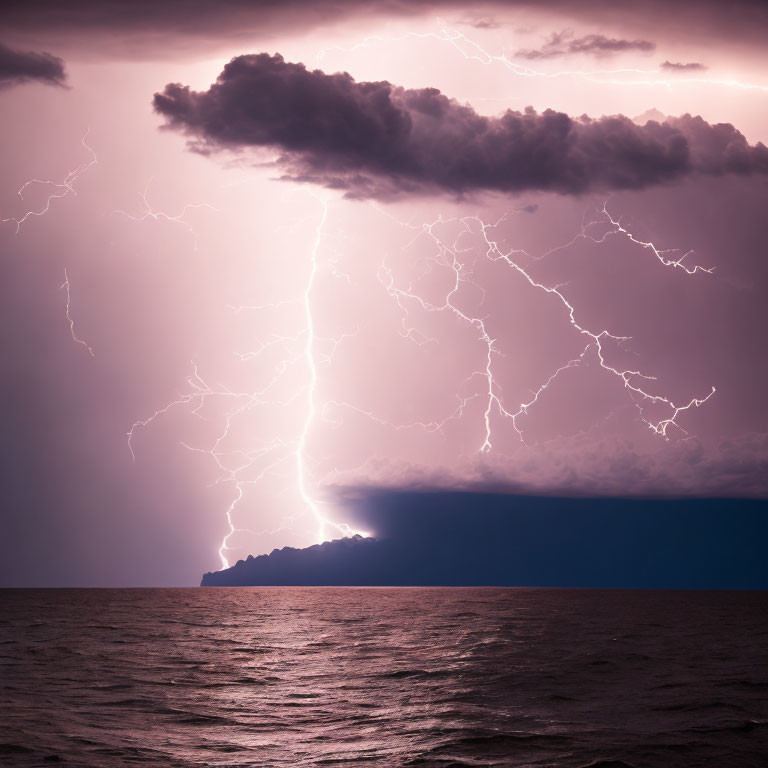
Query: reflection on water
x,y
383,677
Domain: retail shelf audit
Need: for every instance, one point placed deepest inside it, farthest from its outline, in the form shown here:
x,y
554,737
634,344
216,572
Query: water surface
x,y
383,677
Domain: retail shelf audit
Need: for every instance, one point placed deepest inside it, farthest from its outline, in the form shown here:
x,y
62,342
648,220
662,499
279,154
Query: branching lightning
x,y
289,456
234,465
241,468
148,212
632,380
660,255
66,287
448,256
472,51
60,189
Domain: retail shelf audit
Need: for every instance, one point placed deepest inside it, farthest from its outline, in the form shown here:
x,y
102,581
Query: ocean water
x,y
383,677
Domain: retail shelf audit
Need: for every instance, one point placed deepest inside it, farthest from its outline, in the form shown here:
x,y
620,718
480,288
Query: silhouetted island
x,y
354,560
485,539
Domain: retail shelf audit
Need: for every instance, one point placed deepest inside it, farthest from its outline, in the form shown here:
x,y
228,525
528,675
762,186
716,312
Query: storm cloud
x,y
693,66
145,25
374,139
440,538
565,44
18,67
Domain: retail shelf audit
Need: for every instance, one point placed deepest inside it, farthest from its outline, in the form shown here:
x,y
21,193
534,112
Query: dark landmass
x,y
480,539
355,560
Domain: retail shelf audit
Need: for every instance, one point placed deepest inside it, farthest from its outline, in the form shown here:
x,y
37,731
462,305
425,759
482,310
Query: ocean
x,y
383,677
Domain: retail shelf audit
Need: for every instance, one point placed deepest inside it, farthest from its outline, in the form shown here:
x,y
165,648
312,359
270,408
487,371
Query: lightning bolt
x,y
309,352
240,468
631,380
233,465
60,189
245,468
471,50
148,212
649,246
288,457
66,287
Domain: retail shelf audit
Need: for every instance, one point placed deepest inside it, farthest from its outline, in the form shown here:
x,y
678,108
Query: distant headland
x,y
354,560
481,539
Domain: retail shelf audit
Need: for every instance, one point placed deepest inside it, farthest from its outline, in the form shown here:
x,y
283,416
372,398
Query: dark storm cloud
x,y
21,66
481,23
693,66
565,44
444,538
138,27
376,139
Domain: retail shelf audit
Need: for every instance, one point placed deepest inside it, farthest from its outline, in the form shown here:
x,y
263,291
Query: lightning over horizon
x,y
312,263
245,467
279,451
383,383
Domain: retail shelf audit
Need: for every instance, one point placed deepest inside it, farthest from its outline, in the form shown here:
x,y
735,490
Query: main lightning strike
x,y
309,350
311,362
241,468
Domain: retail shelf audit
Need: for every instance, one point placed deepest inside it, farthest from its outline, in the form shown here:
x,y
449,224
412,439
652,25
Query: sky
x,y
262,259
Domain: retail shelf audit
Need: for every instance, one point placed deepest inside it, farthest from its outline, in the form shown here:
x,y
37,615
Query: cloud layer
x,y
152,25
581,465
565,44
374,139
674,66
487,539
21,66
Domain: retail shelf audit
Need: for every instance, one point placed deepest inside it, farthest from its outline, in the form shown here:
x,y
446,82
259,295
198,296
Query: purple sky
x,y
456,266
